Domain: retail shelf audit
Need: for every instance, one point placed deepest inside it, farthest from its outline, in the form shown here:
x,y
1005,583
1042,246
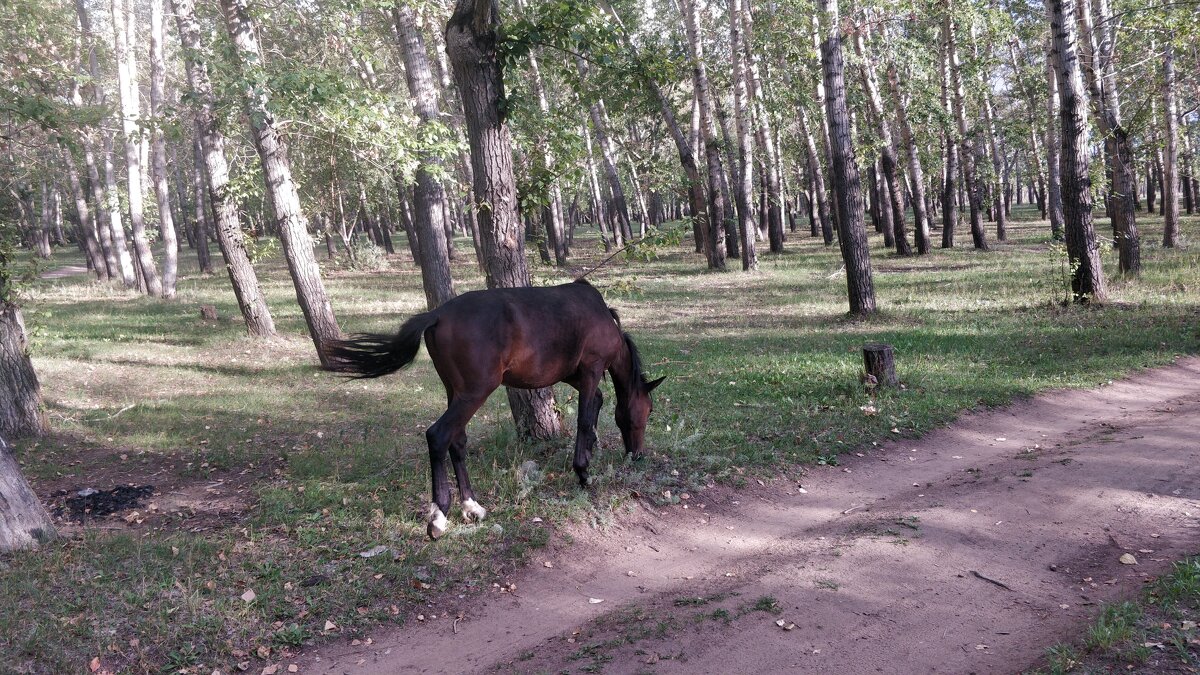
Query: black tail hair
x,y
367,355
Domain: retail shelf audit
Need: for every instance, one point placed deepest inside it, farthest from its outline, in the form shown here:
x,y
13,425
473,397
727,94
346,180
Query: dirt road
x,y
970,551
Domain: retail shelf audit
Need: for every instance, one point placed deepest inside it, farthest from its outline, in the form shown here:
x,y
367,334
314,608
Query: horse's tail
x,y
367,355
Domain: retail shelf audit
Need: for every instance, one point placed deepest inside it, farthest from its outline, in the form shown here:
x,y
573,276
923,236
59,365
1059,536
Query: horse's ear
x,y
654,383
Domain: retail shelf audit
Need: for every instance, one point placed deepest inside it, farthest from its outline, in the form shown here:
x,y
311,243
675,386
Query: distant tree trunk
x,y
277,173
124,24
916,172
87,225
1087,278
744,185
821,196
1054,205
200,214
429,196
765,138
624,229
715,246
950,165
552,214
970,175
1099,52
1035,156
999,184
212,142
852,232
158,150
116,221
599,210
891,173
471,45
1170,198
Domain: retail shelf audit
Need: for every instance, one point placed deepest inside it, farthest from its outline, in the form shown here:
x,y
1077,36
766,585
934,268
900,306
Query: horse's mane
x,y
635,360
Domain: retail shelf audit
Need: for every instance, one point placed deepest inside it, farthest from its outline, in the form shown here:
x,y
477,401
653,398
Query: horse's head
x,y
632,417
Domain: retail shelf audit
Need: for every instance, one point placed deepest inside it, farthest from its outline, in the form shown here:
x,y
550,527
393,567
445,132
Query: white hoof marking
x,y
472,511
437,522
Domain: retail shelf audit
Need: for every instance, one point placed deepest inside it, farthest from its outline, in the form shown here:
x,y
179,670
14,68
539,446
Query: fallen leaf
x,y
249,595
293,668
94,664
594,601
329,625
270,670
547,564
1128,559
1187,625
786,625
263,652
373,551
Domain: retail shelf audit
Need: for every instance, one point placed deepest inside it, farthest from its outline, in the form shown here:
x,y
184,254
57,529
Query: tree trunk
x,y
852,231
24,523
1054,204
158,150
1087,276
596,111
429,196
970,175
1099,45
200,221
950,165
599,210
277,174
891,174
916,172
87,225
552,215
744,185
812,153
212,143
715,246
124,33
116,222
20,394
765,138
471,45
1170,198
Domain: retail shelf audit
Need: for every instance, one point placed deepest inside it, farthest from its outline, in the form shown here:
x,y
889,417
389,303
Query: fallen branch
x,y
977,575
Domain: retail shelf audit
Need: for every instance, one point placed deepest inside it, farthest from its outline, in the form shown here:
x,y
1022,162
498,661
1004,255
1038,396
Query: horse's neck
x,y
620,370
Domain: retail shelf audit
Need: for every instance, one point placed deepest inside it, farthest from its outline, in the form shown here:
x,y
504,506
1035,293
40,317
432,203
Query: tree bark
x,y
124,24
1087,275
894,192
916,172
715,247
24,523
200,214
764,137
429,196
212,142
950,165
158,150
552,214
277,173
852,231
599,118
744,180
1170,197
20,393
1035,150
471,42
970,175
87,224
1054,204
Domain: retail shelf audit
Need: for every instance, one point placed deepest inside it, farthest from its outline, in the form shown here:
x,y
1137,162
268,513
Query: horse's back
x,y
533,336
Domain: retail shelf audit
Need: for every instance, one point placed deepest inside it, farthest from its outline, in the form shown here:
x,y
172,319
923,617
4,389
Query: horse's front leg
x,y
590,401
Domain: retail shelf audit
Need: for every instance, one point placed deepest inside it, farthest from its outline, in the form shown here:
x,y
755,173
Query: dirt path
x,y
971,550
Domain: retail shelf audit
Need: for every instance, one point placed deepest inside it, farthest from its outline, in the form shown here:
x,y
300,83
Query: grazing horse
x,y
527,338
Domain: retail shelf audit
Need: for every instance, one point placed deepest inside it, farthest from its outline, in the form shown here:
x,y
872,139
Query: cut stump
x,y
879,361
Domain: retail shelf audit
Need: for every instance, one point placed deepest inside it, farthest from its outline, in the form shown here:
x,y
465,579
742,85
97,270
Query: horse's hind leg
x,y
450,430
471,510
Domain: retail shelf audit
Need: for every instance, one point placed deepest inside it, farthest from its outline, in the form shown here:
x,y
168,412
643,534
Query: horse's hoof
x,y
437,523
473,512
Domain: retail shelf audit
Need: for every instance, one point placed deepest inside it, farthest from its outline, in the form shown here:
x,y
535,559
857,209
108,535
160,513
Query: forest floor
x,y
971,550
266,509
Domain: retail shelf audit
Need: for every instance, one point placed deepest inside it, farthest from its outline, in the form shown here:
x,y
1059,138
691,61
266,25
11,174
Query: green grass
x,y
1156,632
762,378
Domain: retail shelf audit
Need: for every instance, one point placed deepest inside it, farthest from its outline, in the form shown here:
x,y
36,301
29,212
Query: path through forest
x,y
971,550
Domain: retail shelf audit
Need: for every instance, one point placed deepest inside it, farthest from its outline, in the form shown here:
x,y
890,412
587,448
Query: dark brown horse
x,y
527,338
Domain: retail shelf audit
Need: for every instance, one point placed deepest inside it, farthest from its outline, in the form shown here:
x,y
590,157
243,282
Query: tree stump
x,y
880,361
23,521
208,312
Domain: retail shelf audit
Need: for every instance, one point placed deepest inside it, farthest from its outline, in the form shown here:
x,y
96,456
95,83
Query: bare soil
x,y
969,551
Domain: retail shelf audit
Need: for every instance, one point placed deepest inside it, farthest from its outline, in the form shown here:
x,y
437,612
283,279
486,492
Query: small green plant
x,y
1062,659
766,603
1117,624
365,256
290,636
259,250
